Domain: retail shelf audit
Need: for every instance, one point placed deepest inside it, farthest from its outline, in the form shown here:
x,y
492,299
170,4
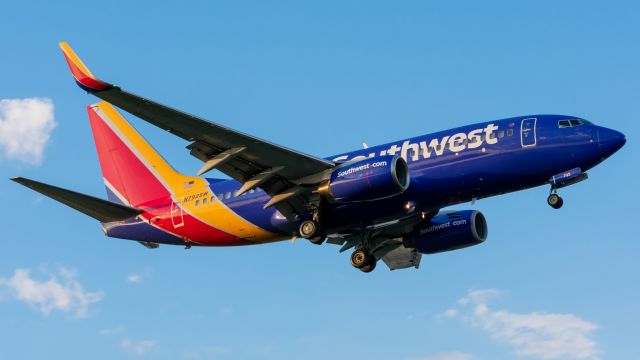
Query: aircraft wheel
x,y
360,258
309,229
555,201
369,266
318,240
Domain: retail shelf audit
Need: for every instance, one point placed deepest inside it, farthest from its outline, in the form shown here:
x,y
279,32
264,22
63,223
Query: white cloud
x,y
539,335
451,313
137,347
25,128
454,355
65,294
111,330
135,278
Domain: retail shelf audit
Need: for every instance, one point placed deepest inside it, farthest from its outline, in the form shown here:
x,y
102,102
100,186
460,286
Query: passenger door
x,y
528,132
177,218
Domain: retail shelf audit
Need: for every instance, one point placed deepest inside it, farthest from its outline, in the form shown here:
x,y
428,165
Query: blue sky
x,y
323,77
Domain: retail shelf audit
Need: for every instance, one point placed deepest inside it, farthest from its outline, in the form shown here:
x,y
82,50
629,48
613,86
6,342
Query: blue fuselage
x,y
454,166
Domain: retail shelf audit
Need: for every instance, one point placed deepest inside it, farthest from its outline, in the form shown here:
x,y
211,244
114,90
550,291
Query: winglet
x,y
84,78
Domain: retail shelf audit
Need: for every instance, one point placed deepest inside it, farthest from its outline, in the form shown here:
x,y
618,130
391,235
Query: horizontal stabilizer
x,y
99,209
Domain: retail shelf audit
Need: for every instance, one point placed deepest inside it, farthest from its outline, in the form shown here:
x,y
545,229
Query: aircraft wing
x,y
245,158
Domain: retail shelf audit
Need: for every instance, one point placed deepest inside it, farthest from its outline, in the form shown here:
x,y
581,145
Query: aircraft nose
x,y
610,141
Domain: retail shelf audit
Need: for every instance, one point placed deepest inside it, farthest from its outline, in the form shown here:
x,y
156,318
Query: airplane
x,y
386,202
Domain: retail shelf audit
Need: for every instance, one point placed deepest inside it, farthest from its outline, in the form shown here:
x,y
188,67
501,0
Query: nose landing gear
x,y
561,180
554,200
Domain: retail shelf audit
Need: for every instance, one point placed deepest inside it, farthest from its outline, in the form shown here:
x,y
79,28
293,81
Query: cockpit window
x,y
571,123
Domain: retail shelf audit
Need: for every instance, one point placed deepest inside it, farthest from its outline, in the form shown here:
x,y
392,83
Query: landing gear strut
x,y
554,200
361,259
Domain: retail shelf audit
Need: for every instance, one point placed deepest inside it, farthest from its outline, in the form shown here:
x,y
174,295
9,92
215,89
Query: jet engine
x,y
366,180
448,231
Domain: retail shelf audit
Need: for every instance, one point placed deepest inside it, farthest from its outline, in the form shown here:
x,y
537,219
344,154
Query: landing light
x,y
410,206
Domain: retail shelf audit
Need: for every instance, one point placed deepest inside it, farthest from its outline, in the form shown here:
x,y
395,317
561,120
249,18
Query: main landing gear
x,y
311,230
554,200
363,260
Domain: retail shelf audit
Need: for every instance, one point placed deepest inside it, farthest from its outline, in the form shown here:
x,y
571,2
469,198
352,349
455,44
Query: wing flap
x,y
99,209
402,258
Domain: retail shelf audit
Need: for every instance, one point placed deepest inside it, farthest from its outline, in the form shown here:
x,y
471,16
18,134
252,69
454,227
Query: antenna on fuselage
x,y
364,145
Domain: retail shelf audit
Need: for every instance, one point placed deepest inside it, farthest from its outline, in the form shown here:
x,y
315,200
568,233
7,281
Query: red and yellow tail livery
x,y
137,176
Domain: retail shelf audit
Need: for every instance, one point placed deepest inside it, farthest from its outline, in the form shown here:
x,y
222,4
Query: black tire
x,y
360,258
369,266
555,201
309,229
318,240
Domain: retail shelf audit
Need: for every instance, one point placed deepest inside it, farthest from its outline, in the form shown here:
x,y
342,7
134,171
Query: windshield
x,y
572,123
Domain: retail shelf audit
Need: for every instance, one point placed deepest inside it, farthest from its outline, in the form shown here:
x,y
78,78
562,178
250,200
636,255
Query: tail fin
x,y
133,171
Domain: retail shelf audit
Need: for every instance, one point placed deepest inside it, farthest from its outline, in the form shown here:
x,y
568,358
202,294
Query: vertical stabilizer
x,y
133,171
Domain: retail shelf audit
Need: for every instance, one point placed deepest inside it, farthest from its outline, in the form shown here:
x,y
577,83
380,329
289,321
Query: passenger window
x,y
213,199
501,134
204,201
228,195
197,202
251,191
510,132
492,135
220,196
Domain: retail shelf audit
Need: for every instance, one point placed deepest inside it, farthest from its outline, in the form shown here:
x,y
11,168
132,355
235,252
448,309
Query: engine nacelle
x,y
369,179
448,231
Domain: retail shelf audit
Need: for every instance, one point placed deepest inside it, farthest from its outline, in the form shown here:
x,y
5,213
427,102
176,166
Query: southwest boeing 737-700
x,y
385,202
